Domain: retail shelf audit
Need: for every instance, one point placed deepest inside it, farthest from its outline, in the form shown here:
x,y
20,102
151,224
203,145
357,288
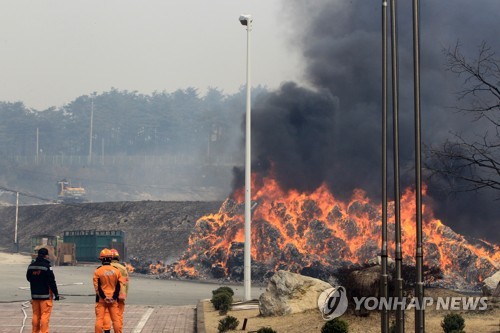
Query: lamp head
x,y
246,19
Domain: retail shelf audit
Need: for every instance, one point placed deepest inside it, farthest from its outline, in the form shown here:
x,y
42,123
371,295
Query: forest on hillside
x,y
127,123
124,145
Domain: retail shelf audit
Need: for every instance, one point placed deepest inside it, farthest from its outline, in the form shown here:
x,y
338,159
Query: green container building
x,y
89,243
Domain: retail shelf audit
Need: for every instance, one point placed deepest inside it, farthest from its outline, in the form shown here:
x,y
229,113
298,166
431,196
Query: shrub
x,y
223,289
222,298
266,330
222,301
224,308
453,323
335,325
228,323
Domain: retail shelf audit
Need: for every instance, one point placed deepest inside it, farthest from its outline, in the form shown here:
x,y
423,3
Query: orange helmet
x,y
114,254
105,254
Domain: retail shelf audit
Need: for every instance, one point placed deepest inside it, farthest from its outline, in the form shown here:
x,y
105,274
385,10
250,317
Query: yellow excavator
x,y
66,193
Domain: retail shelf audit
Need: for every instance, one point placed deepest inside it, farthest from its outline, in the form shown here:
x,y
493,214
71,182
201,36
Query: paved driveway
x,y
79,318
153,305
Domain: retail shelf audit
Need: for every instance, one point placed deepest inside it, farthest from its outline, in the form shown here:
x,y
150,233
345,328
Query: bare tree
x,y
471,163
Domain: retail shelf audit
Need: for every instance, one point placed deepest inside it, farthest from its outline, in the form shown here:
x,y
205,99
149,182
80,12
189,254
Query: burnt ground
x,y
154,230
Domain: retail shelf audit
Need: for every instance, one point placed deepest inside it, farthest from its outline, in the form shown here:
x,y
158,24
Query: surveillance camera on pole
x,y
246,20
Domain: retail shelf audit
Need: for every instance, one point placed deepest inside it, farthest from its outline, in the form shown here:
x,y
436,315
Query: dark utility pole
x,y
384,314
419,285
16,240
397,210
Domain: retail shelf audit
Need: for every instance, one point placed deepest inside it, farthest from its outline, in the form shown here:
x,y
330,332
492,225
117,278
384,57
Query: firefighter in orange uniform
x,y
115,262
107,287
43,287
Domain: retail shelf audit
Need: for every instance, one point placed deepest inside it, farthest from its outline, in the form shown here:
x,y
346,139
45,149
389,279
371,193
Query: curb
x,y
200,317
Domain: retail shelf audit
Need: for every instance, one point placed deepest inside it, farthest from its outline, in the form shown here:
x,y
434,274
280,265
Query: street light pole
x,y
247,279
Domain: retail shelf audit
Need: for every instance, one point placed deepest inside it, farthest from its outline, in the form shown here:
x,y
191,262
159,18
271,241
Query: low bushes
x,y
453,323
223,289
222,298
228,323
335,325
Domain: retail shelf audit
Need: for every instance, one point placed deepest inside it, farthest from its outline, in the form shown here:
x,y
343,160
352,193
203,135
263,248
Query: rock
x,y
289,293
490,284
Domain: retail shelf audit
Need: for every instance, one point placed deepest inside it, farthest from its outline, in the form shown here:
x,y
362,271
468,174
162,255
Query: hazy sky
x,y
54,51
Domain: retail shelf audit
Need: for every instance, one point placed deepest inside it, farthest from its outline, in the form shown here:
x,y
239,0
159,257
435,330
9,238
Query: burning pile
x,y
314,234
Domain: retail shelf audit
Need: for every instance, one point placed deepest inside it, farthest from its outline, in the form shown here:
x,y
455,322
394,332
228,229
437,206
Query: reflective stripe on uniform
x,y
40,296
42,268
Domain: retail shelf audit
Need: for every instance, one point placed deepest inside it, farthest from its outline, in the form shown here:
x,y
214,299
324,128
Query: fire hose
x,y
26,304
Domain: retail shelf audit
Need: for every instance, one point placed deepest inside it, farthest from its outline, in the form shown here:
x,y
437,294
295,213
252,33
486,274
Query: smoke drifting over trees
x,y
332,132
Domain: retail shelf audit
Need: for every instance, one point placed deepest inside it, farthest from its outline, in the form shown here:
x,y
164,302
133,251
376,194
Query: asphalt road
x,y
75,284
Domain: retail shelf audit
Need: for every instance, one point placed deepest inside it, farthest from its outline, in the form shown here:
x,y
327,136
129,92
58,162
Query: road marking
x,y
143,321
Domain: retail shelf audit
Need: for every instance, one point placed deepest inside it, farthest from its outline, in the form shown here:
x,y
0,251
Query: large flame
x,y
292,230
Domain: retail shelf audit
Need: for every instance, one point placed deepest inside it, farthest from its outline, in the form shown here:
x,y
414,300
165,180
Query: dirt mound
x,y
154,230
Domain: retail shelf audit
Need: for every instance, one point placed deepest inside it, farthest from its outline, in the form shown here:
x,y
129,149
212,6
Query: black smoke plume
x,y
331,132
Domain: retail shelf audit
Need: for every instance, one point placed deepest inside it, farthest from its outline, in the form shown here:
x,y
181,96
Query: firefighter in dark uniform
x,y
43,289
